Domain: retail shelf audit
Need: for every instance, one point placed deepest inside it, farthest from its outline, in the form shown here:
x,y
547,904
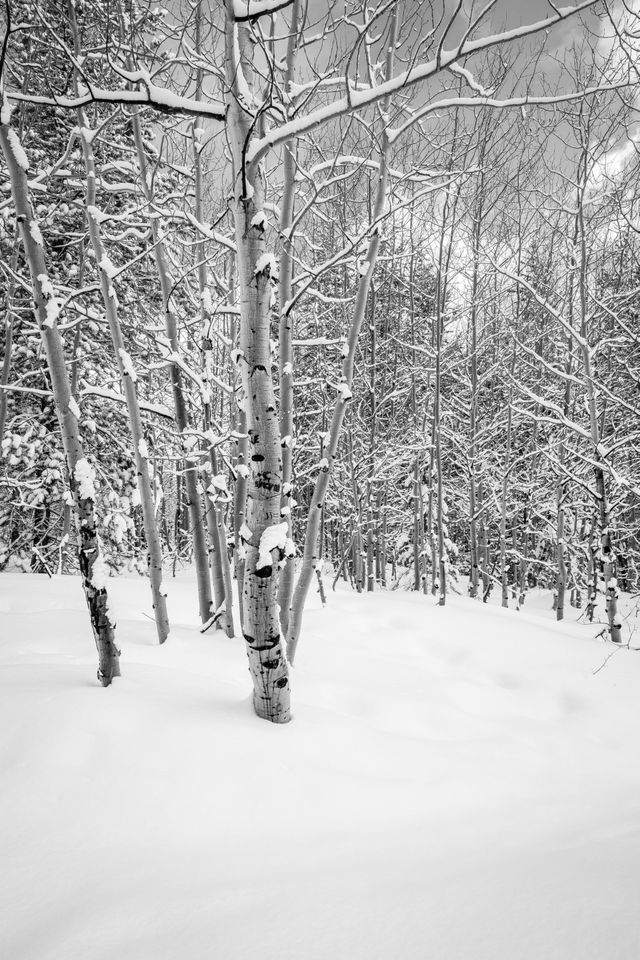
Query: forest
x,y
319,354
319,287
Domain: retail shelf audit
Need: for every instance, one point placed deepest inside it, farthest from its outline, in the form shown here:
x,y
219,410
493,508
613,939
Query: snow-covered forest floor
x,y
457,784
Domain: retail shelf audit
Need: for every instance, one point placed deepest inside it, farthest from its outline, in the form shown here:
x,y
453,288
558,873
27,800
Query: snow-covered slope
x,y
457,784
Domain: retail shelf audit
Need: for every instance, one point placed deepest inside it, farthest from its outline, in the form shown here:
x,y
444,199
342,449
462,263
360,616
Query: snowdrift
x,y
457,784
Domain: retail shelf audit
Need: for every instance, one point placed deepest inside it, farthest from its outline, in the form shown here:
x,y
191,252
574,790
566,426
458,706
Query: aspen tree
x,y
81,476
194,504
124,364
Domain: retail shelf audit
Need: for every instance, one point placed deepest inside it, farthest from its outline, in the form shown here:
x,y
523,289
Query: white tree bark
x,y
261,623
180,404
77,465
110,303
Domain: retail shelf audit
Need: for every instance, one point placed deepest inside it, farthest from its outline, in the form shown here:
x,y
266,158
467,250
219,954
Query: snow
x,y
219,483
457,784
107,267
245,9
85,478
127,364
74,408
143,449
97,215
206,301
99,573
52,305
273,537
266,263
17,149
45,284
36,233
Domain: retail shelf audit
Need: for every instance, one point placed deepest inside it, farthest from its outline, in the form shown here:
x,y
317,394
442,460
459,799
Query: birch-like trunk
x,y
285,355
220,572
261,624
606,553
125,370
179,400
309,557
8,340
80,473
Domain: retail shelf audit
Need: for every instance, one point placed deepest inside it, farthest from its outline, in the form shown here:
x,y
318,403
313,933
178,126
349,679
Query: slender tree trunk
x,y
285,358
345,394
8,343
125,369
607,554
180,404
92,566
264,535
219,559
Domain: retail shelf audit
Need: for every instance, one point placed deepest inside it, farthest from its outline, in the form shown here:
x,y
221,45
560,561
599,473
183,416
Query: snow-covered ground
x,y
457,784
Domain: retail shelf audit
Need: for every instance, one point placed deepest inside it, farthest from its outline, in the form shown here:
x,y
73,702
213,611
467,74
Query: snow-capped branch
x,y
356,100
166,101
253,9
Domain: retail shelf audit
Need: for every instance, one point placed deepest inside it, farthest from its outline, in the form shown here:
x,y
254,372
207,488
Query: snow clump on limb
x,y
274,537
17,150
99,573
52,305
36,233
127,364
86,479
97,215
107,267
266,264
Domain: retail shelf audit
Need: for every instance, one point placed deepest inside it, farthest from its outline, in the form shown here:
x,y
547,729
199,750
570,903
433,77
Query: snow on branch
x,y
274,537
252,9
156,408
166,101
359,99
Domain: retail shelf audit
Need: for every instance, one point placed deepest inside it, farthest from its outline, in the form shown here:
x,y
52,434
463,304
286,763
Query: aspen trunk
x,y
219,560
606,553
8,341
126,373
80,473
560,550
261,624
180,404
285,359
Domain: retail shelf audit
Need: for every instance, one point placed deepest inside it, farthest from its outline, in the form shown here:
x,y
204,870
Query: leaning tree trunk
x,y
344,391
8,341
264,535
92,567
126,370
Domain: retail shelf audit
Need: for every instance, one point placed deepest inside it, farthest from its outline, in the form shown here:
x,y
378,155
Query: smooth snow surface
x,y
457,784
